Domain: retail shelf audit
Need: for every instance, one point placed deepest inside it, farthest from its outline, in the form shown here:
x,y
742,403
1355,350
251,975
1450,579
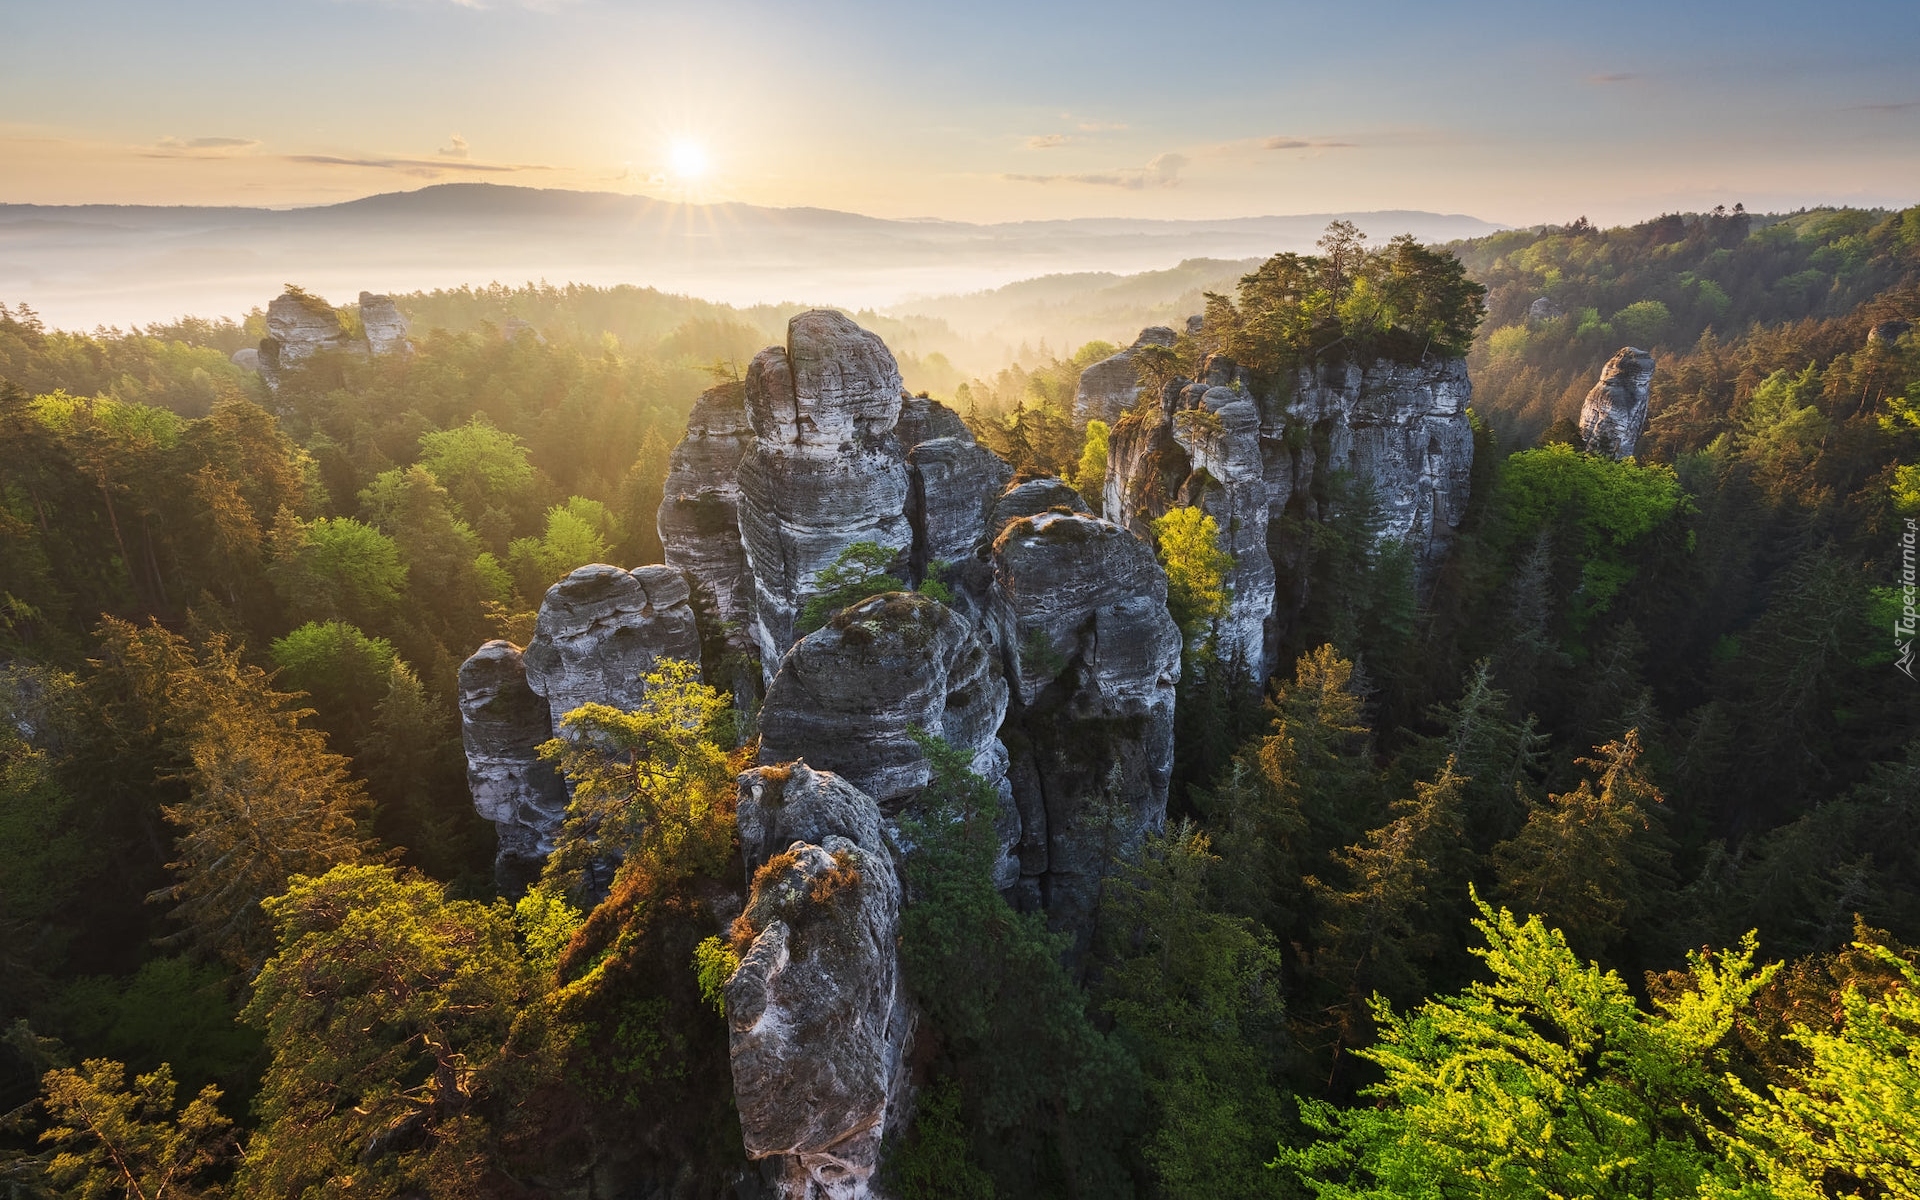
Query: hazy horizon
x,y
1518,114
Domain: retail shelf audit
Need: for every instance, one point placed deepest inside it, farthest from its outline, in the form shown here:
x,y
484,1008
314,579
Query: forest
x,y
1588,872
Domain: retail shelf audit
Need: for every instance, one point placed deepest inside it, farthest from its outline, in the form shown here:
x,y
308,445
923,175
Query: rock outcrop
x,y
1030,498
1110,386
1615,411
300,326
1544,309
953,482
599,632
1261,463
699,519
817,1013
823,469
850,696
1095,659
383,326
502,724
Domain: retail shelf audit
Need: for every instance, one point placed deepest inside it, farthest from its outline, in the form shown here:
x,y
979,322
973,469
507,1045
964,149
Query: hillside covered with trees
x,y
1588,872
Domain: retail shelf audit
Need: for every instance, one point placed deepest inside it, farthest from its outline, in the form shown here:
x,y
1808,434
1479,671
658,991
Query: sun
x,y
688,159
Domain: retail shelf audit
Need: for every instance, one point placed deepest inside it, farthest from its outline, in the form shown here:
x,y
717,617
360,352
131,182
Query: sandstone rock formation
x,y
299,326
817,1013
1030,498
383,326
1095,659
1543,309
247,358
849,696
1615,411
823,470
1399,428
952,482
600,631
699,519
502,724
1110,386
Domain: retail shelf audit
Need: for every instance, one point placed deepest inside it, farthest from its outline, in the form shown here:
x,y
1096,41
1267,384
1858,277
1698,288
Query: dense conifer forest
x,y
1591,873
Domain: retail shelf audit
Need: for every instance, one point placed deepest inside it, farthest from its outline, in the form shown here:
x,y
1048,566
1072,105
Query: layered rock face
x,y
699,519
300,326
1110,386
1250,459
1615,411
823,470
849,696
502,724
384,327
817,1013
599,633
953,482
1081,606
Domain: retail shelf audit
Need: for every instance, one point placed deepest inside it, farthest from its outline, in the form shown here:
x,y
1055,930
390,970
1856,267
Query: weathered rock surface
x,y
384,327
823,470
600,631
849,695
247,358
1110,386
952,482
299,326
1095,660
1032,497
818,1016
1615,411
1399,428
1543,309
699,518
502,724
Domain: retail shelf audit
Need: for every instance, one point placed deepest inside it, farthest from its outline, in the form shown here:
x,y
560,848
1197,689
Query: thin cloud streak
x,y
1163,171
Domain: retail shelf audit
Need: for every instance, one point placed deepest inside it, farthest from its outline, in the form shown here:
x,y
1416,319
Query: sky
x,y
985,110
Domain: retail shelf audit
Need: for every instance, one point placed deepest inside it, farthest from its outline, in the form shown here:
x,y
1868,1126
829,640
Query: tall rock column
x,y
817,1013
823,470
1219,428
699,518
1615,411
502,725
1094,658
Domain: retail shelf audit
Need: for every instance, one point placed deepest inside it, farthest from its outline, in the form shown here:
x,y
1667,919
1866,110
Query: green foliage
x,y
579,532
861,570
1196,996
483,468
1545,1080
172,1011
714,962
386,1008
343,671
267,800
1090,474
547,924
933,1163
1189,545
335,569
1849,1123
652,788
1589,860
112,1140
1602,505
1040,1084
1402,301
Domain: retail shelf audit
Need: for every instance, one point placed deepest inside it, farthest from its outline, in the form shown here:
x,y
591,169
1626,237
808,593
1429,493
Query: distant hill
x,y
83,265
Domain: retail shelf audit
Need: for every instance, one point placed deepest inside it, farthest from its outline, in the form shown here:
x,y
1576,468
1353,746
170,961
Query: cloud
x,y
1294,143
429,167
1163,171
200,147
1905,106
1100,126
1614,77
1047,141
456,147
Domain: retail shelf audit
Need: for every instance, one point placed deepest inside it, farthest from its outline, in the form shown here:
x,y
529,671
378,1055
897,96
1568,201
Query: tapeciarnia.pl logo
x,y
1904,624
